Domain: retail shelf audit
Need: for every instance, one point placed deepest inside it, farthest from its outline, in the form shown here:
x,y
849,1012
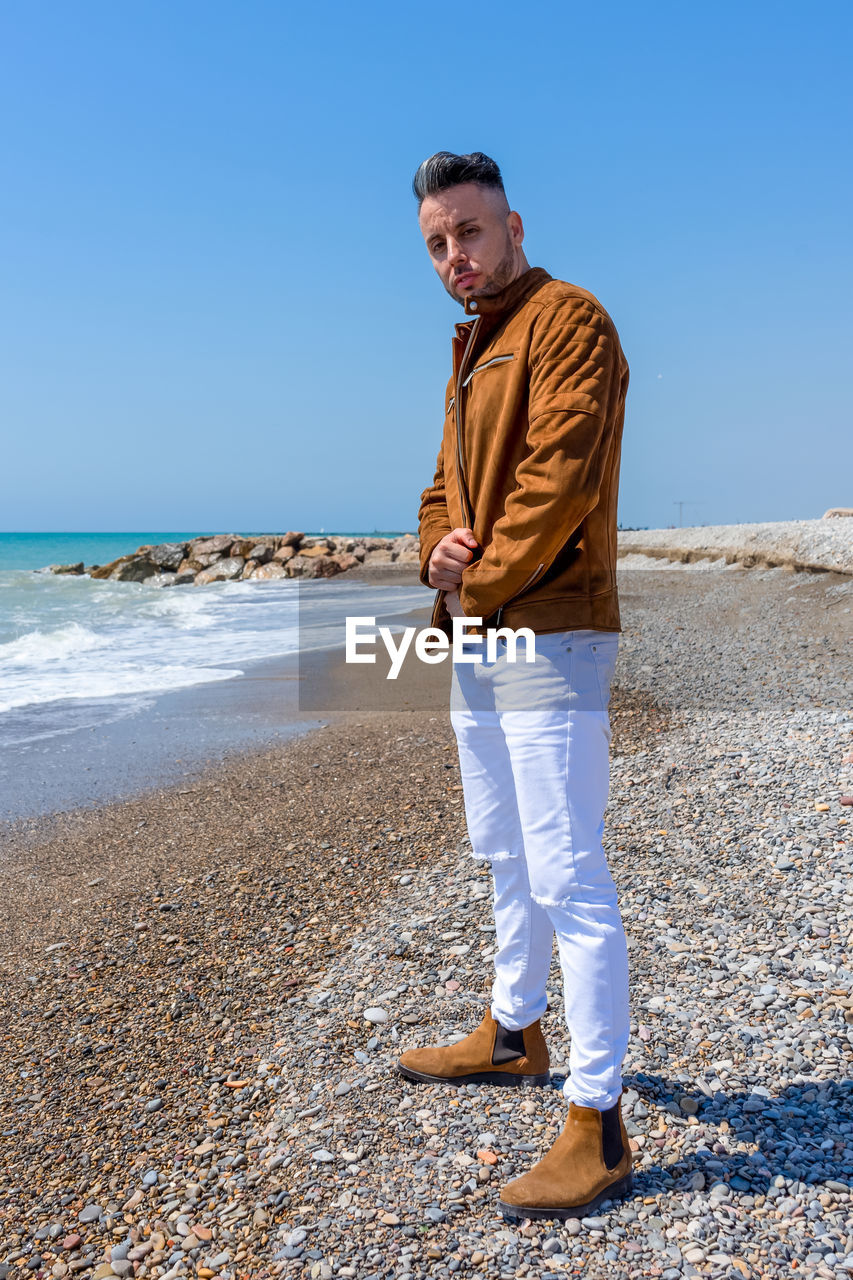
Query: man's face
x,y
473,239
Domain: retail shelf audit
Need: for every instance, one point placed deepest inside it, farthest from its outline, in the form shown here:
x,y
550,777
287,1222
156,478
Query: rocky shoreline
x,y
812,546
232,557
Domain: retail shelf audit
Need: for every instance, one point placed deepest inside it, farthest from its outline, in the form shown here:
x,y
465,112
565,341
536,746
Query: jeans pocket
x,y
604,654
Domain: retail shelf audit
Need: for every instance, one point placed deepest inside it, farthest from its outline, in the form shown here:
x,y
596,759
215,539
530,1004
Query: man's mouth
x,y
464,279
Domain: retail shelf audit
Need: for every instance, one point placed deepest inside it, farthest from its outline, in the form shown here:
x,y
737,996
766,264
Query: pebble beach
x,y
205,988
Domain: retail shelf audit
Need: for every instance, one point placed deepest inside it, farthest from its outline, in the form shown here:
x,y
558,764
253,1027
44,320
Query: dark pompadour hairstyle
x,y
444,170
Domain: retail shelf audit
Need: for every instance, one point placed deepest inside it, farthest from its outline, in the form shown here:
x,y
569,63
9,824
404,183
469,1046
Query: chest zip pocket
x,y
487,365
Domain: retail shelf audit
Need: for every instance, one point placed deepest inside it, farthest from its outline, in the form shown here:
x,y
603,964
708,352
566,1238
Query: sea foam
x,y
72,638
37,647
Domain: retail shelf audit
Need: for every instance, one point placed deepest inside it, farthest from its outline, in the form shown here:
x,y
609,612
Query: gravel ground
x,y
792,544
206,989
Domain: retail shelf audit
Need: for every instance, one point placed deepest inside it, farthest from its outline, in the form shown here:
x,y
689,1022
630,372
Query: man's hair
x,y
445,170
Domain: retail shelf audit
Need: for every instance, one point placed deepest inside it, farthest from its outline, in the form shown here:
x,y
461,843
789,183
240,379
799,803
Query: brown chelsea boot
x,y
590,1162
489,1055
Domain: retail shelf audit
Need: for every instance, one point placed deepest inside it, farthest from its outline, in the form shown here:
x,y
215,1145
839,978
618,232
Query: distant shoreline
x,y
32,550
817,545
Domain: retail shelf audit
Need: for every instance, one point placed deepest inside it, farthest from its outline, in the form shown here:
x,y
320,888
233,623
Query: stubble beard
x,y
503,274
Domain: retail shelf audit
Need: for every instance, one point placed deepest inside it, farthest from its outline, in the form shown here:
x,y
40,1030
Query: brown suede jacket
x,y
530,459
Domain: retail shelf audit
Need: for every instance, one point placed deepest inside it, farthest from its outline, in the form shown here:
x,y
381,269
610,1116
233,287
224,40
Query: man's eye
x,y
470,231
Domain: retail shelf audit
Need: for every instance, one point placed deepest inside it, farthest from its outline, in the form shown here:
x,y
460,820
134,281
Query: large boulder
x,y
376,544
222,571
329,567
217,546
167,555
324,567
242,547
315,549
268,572
75,569
135,569
292,539
296,567
311,567
262,552
207,558
345,561
285,553
107,570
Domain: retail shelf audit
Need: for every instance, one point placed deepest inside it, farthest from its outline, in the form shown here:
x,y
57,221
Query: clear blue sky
x,y
217,310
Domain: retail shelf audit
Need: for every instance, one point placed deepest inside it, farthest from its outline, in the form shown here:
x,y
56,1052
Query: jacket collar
x,y
500,304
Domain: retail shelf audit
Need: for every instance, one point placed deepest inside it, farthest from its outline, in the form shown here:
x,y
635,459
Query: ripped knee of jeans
x,y
499,855
583,902
562,903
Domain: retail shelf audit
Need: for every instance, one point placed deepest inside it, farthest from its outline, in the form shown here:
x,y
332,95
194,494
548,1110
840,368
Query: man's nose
x,y
455,252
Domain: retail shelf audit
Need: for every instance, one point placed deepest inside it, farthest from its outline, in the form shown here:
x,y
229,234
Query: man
x,y
519,529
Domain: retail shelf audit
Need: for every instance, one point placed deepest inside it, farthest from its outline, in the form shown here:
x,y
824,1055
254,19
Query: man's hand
x,y
451,555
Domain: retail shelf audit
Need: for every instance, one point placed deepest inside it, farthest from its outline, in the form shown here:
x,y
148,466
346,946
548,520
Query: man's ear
x,y
515,227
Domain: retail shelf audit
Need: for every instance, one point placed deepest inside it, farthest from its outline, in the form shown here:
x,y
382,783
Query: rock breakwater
x,y
231,557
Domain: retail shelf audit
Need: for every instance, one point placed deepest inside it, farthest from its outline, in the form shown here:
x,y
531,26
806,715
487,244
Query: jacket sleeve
x,y
576,368
433,520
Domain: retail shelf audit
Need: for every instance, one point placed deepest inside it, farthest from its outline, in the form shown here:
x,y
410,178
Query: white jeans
x,y
534,744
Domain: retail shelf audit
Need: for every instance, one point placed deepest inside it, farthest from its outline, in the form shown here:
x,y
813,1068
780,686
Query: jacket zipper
x,y
460,474
520,592
463,491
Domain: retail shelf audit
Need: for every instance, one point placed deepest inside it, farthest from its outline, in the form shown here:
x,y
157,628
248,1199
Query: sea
x,y
79,655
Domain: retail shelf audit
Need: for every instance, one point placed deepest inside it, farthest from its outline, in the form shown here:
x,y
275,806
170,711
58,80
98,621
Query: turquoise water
x,y
36,550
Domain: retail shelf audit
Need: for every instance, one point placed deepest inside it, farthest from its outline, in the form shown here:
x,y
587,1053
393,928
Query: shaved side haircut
x,y
444,170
